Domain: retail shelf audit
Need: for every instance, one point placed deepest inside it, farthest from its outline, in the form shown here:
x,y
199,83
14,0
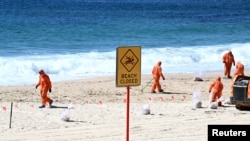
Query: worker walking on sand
x,y
228,60
45,86
216,88
157,74
239,69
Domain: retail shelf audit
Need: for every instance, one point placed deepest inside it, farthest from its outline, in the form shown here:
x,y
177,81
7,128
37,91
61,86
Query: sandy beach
x,y
98,110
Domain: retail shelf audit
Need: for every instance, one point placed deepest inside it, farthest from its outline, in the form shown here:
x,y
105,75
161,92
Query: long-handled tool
x,y
146,85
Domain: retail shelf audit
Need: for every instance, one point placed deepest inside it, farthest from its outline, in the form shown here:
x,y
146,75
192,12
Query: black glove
x,y
163,78
209,91
50,90
36,86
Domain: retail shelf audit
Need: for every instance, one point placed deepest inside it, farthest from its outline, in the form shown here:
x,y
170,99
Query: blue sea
x,y
77,39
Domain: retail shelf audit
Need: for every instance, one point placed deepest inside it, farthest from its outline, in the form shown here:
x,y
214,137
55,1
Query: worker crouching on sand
x,y
45,86
215,89
239,69
157,74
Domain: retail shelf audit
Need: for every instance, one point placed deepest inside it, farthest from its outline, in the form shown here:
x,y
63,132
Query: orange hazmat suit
x,y
45,86
216,88
157,74
228,60
239,69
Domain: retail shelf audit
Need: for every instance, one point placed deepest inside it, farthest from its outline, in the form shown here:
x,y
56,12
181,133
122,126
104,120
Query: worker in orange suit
x,y
157,74
216,88
239,69
45,86
228,60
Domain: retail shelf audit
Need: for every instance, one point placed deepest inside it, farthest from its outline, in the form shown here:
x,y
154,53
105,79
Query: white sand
x,y
99,111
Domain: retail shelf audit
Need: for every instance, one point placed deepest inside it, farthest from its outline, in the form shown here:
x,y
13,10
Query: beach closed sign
x,y
128,66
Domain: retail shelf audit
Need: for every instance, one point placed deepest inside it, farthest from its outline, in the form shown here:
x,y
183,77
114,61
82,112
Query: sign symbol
x,y
130,60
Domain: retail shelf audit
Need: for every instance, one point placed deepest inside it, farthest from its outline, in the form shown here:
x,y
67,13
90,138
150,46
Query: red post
x,y
127,130
11,113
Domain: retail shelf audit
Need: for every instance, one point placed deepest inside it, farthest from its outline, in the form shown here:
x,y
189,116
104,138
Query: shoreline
x,y
101,76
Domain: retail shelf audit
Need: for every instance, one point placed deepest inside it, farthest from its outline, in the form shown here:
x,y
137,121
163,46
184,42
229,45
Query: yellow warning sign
x,y
128,66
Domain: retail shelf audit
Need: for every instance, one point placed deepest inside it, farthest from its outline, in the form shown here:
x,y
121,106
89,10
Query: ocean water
x,y
77,39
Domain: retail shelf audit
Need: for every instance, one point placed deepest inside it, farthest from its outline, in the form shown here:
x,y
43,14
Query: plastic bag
x,y
213,105
146,108
197,100
65,116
